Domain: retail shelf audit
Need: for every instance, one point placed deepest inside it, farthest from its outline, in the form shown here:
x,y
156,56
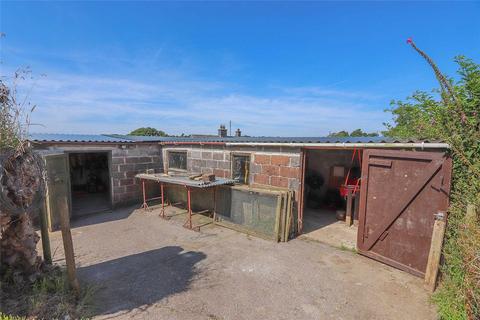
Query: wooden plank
x,y
349,211
435,253
47,253
278,214
68,245
301,198
288,218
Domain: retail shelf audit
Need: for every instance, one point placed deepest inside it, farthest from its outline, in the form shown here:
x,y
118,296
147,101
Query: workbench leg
x,y
144,205
162,213
189,208
214,204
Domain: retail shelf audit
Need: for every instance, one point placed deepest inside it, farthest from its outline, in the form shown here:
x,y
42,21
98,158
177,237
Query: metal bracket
x,y
440,215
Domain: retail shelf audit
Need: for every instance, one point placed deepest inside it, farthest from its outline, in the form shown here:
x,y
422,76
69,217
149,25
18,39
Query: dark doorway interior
x,y
90,183
326,171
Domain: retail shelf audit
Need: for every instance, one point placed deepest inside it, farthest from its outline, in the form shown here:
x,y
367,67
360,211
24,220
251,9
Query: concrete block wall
x,y
209,161
126,163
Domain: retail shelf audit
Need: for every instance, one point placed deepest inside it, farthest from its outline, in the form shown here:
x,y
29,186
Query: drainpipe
x,y
344,145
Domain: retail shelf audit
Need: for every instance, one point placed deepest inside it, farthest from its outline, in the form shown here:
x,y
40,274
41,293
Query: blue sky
x,y
272,68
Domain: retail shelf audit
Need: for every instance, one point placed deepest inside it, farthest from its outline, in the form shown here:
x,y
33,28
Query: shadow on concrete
x,y
101,217
142,279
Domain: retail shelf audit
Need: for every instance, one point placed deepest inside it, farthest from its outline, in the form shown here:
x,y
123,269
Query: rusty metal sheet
x,y
183,180
400,194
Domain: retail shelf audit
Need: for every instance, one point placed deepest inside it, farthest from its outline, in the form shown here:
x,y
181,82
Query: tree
x,y
452,114
339,134
360,133
354,133
148,131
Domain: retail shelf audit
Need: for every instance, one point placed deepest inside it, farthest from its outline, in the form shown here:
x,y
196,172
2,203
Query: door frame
x,y
303,168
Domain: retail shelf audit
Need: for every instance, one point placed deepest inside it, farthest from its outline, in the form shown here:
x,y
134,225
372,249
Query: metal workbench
x,y
164,179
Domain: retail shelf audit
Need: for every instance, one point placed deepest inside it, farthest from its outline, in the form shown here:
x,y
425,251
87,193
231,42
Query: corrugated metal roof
x,y
48,137
139,138
59,137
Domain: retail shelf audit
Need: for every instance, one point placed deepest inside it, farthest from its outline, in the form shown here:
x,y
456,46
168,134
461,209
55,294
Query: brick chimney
x,y
222,131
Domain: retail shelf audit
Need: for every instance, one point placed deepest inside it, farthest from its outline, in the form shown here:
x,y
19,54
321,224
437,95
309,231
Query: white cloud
x,y
72,103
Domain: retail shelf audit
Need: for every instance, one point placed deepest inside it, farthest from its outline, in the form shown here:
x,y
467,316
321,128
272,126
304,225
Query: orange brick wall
x,y
276,170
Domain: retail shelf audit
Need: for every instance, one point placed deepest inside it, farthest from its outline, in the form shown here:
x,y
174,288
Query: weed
x,y
49,297
343,247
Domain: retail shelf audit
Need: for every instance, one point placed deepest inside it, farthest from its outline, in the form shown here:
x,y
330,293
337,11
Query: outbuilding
x,y
390,191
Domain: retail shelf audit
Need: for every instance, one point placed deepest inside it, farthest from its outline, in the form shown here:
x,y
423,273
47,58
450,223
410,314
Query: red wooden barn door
x,y
400,194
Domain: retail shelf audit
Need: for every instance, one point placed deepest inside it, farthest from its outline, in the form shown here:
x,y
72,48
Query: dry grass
x,y
49,297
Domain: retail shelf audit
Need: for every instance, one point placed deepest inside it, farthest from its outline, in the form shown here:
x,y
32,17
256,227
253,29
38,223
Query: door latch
x,y
440,215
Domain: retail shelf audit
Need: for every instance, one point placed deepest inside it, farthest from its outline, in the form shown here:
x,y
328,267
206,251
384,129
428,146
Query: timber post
x,y
47,253
68,246
435,253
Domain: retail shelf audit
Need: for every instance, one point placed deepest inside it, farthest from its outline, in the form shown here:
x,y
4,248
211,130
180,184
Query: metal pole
x,y
163,202
189,204
144,206
214,204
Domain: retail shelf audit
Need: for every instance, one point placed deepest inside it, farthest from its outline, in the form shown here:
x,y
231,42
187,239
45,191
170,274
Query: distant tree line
x,y
354,133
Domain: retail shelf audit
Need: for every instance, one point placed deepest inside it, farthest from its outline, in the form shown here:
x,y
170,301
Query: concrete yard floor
x,y
145,267
322,225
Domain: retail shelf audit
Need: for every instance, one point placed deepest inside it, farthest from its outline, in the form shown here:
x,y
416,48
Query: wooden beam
x,y
68,245
47,253
435,253
349,211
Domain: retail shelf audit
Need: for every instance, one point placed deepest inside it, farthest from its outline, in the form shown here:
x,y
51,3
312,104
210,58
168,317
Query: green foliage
x,y
415,118
452,114
354,133
148,131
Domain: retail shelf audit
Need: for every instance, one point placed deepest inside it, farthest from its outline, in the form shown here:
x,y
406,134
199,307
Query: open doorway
x,y
90,183
328,173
